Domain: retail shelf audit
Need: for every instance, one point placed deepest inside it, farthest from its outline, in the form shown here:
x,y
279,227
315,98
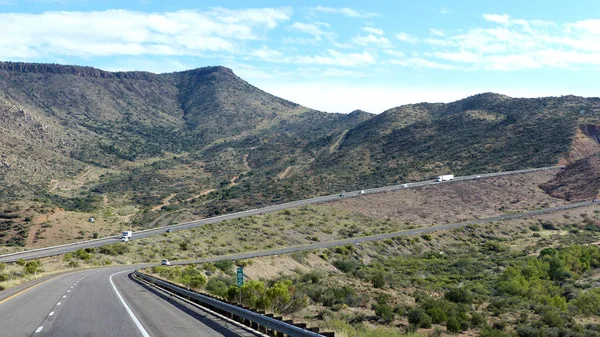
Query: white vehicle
x,y
165,263
127,234
404,185
361,192
446,177
124,239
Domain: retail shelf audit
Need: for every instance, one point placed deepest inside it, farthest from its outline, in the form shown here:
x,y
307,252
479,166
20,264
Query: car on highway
x,y
124,239
165,263
404,185
169,230
361,192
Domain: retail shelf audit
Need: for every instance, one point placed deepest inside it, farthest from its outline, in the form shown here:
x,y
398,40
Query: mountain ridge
x,y
71,136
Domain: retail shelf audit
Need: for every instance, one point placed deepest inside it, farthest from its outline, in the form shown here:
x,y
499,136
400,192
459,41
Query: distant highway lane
x,y
63,249
105,302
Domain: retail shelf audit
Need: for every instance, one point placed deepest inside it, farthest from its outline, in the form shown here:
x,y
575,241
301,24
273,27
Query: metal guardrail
x,y
275,326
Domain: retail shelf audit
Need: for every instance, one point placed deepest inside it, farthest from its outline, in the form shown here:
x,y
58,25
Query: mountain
x,y
144,146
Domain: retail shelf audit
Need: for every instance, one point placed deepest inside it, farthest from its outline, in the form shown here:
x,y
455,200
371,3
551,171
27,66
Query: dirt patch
x,y
579,181
585,143
285,172
274,266
456,201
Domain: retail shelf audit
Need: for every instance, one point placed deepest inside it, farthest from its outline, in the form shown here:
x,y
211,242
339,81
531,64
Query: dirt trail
x,y
233,180
285,172
166,202
335,146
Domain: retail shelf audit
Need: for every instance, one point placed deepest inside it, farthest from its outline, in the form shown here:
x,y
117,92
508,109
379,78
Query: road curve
x,y
106,302
57,250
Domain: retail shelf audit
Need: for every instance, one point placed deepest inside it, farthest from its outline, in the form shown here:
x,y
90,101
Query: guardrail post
x,y
328,334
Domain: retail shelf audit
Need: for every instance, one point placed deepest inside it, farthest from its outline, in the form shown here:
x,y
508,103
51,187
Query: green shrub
x,y
418,318
225,265
438,315
453,325
378,280
21,262
588,302
345,266
384,312
2,266
478,319
459,295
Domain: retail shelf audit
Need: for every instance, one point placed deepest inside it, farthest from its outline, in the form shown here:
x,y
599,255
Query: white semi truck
x,y
446,177
127,234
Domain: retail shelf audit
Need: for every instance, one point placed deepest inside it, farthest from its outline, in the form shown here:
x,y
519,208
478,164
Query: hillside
x,y
141,148
579,181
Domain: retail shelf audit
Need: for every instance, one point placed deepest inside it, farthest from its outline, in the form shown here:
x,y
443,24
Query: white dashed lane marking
x,y
58,303
39,329
51,314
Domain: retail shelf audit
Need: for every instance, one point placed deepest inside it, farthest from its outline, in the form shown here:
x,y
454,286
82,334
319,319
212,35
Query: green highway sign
x,y
240,276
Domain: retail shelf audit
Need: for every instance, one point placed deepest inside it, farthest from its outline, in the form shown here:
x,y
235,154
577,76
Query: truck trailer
x,y
446,177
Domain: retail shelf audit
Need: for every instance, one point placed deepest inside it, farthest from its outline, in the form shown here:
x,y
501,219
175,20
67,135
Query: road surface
x,y
104,302
57,250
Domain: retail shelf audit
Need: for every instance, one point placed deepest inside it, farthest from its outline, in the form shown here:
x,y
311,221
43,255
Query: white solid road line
x,y
135,320
39,329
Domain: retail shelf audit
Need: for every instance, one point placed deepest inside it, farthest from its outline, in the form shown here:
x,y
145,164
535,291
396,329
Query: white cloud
x,y
503,19
123,32
517,44
335,58
344,11
267,54
372,30
418,62
406,38
371,40
437,32
309,29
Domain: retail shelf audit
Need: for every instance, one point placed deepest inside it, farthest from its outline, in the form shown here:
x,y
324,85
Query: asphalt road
x,y
57,250
105,302
358,240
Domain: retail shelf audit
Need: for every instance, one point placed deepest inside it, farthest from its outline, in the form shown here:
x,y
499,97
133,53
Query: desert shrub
x,y
225,265
459,295
588,302
384,312
378,280
453,325
418,318
345,265
218,285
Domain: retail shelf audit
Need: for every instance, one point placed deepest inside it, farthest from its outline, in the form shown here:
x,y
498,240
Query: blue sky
x,y
330,55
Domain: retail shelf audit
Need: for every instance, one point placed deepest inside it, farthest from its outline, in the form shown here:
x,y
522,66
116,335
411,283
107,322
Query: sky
x,y
335,56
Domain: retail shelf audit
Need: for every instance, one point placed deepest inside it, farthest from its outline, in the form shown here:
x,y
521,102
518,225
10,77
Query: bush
x,y
226,266
21,262
345,266
384,312
478,319
588,303
2,266
419,318
453,325
218,285
378,280
438,315
459,295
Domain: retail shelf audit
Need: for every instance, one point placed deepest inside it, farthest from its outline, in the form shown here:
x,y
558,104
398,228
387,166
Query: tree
x,y
419,318
453,325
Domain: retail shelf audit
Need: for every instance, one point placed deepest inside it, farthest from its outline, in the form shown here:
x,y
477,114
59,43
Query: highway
x,y
416,231
104,302
62,249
